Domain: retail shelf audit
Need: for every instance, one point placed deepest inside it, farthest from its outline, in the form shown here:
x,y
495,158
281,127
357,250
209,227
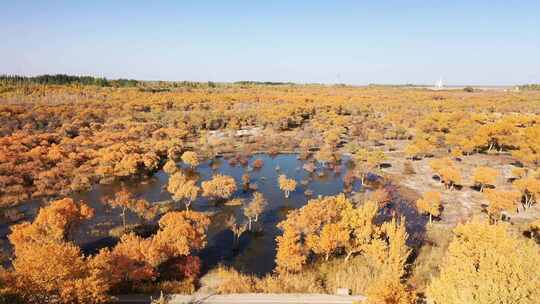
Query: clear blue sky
x,y
357,42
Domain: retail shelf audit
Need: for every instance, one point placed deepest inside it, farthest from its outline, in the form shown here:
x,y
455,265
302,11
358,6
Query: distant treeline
x,y
66,79
270,83
143,85
530,87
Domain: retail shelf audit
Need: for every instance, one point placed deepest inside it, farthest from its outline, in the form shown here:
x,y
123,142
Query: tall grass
x,y
356,274
430,257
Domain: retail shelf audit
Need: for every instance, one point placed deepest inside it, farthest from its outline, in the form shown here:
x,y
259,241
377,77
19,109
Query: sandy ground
x,y
459,205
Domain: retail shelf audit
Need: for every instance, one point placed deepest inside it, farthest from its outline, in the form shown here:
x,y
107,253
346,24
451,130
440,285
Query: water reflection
x,y
256,251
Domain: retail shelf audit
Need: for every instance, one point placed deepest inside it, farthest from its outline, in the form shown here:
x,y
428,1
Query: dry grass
x,y
168,287
177,287
356,274
430,256
305,282
232,281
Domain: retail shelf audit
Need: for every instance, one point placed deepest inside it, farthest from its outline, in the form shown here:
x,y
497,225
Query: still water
x,y
256,251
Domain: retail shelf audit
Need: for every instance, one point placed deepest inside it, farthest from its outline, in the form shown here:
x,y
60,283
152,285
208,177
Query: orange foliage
x,y
430,204
220,186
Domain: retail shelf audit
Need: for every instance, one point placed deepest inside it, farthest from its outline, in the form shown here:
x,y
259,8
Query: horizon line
x,y
404,84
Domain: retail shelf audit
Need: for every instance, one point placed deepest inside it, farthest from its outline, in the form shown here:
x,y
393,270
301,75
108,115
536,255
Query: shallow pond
x,y
256,251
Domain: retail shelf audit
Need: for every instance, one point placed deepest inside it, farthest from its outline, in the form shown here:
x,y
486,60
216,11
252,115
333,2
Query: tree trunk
x,y
124,218
430,218
235,241
349,254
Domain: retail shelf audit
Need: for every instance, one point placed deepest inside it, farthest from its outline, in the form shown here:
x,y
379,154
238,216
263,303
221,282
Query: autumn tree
x,y
391,248
479,263
388,289
57,272
430,204
144,210
366,161
133,261
292,251
331,238
236,228
138,259
530,189
170,167
57,221
190,158
422,145
124,200
325,155
534,229
183,189
291,255
219,187
447,171
126,159
47,267
529,146
255,208
360,223
286,185
500,200
484,176
181,233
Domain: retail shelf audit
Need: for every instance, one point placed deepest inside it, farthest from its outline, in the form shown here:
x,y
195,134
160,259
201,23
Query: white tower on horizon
x,y
439,84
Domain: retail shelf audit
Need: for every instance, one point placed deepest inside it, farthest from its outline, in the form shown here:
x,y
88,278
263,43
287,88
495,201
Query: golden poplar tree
x,y
430,204
486,264
287,185
484,176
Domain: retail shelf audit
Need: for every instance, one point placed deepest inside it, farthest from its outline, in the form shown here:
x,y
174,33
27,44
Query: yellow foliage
x,y
486,264
287,185
430,204
190,158
500,201
220,186
484,176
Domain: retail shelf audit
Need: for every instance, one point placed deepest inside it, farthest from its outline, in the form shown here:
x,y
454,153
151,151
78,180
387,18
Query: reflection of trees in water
x,y
255,251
